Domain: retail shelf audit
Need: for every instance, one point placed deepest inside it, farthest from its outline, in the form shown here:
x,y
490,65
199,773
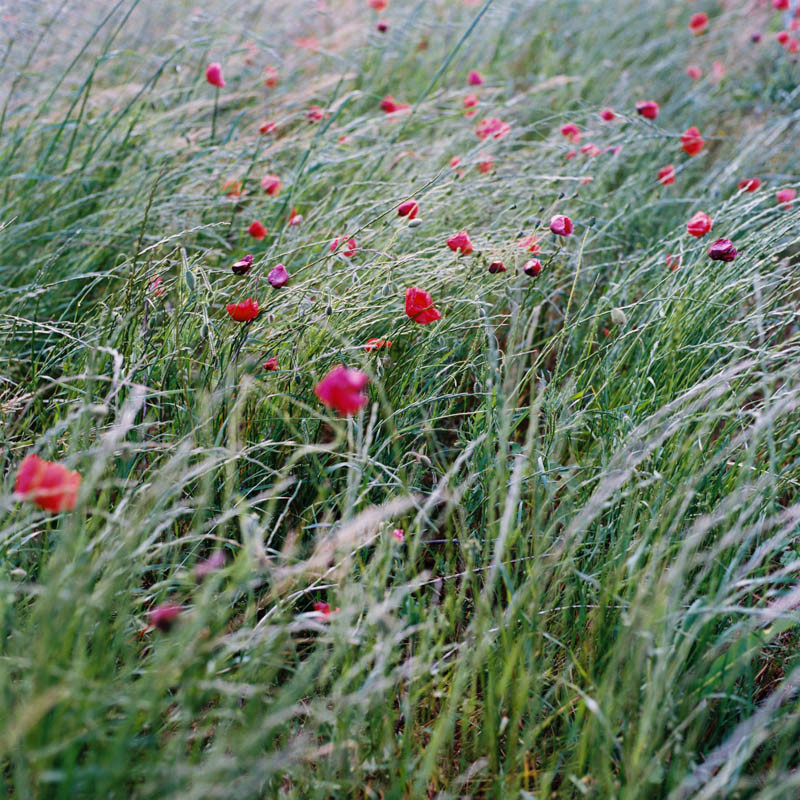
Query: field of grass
x,y
560,543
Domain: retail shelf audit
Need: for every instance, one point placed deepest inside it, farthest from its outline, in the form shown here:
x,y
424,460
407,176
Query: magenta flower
x,y
722,250
343,390
561,225
278,276
214,74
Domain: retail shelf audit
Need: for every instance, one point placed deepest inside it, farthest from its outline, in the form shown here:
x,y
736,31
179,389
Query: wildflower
x,y
699,225
267,127
755,37
163,616
419,306
722,250
315,114
454,162
271,184
694,72
561,225
410,209
474,78
398,534
793,46
382,26
647,108
780,5
257,229
242,266
666,175
691,141
786,196
530,243
497,266
325,608
243,312
782,37
486,163
749,184
156,286
390,105
214,562
570,155
673,262
607,115
698,23
460,242
47,484
590,149
379,5
294,217
214,74
233,189
493,127
278,276
718,70
377,344
271,364
343,390
307,42
270,77
532,267
572,132
348,251
470,101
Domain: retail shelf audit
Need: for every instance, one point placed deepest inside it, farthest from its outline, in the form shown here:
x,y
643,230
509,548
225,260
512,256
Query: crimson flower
x,y
460,242
410,209
694,72
379,5
163,616
342,389
271,364
571,131
470,101
325,608
666,175
722,250
474,78
786,196
242,266
244,311
271,184
294,217
315,114
749,184
561,225
377,344
419,306
267,126
698,23
493,127
497,266
47,484
486,163
214,74
532,267
348,251
647,109
691,141
257,229
390,105
607,115
278,276
699,225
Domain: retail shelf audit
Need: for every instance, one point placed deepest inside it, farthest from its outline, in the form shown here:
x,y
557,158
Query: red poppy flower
x,y
410,209
607,115
532,267
691,141
694,72
647,108
530,243
570,155
460,242
325,608
348,251
470,101
780,5
294,217
278,276
163,616
590,150
793,46
486,163
267,127
233,189
156,286
376,344
497,266
271,364
718,70
242,266
722,250
214,74
561,225
270,77
493,127
315,114
271,184
419,306
343,390
698,23
47,484
786,196
390,105
398,534
474,78
257,230
379,5
673,262
749,184
571,131
666,175
243,312
699,225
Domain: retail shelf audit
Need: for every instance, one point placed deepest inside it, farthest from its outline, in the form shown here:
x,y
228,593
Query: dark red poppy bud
x,y
647,109
532,267
666,175
497,266
408,209
698,23
242,266
749,184
561,225
722,250
699,225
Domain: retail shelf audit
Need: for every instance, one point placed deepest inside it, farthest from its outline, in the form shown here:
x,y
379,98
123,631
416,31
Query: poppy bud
x,y
607,115
325,608
561,225
398,534
786,196
271,364
698,23
47,484
410,209
486,163
278,276
257,230
242,266
243,312
214,74
294,217
460,242
163,616
532,267
691,141
419,306
666,175
755,37
343,390
749,184
382,26
722,250
497,266
470,101
699,225
572,132
647,108
474,78
271,184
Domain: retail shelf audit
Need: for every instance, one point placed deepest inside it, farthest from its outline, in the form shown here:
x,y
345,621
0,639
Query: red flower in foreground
x,y
666,175
493,127
214,74
271,184
408,209
607,115
722,250
698,23
470,101
561,225
474,78
460,242
376,344
530,243
780,5
242,266
243,312
257,229
267,127
342,389
278,276
571,131
49,485
163,616
348,251
419,306
786,196
749,184
390,105
270,77
398,534
694,72
497,266
691,141
532,267
647,108
271,364
699,225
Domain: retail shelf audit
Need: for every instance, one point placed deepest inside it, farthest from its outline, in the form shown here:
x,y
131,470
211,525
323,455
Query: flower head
x,y
486,163
267,126
214,74
572,132
342,389
315,114
694,72
699,225
460,242
532,267
666,175
530,243
47,484
410,209
270,77
749,184
348,251
607,114
786,196
294,217
163,616
722,250
691,141
497,266
647,109
242,266
390,105
398,534
470,101
257,229
244,311
379,5
698,23
278,276
377,344
271,364
271,184
493,127
561,225
419,306
474,78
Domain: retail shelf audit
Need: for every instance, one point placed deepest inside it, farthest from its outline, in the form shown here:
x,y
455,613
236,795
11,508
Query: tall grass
x,y
597,593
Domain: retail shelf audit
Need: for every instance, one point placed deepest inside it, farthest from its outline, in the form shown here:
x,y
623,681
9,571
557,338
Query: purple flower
x,y
722,250
242,266
278,276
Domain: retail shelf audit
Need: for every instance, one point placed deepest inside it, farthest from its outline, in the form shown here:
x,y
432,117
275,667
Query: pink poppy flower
x,y
691,141
271,184
699,225
214,74
570,155
278,276
749,184
607,115
47,484
348,251
398,534
698,23
694,72
532,267
243,265
460,242
419,306
474,78
572,132
379,5
786,196
717,70
454,162
666,175
243,312
271,364
561,225
257,229
493,127
163,616
342,389
470,101
647,109
410,209
590,149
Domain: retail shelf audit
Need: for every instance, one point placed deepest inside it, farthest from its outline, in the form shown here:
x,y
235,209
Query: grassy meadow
x,y
554,553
